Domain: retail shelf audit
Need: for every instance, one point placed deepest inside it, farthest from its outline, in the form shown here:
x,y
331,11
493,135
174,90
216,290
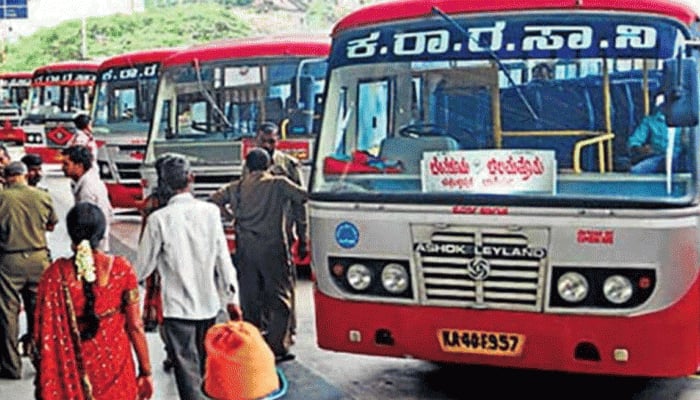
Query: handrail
x,y
608,112
571,132
283,128
601,150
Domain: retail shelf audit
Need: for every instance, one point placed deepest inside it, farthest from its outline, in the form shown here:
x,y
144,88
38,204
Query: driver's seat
x,y
410,150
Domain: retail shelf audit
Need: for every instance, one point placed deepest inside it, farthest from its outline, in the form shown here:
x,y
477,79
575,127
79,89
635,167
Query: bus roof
x,y
304,46
138,57
407,9
16,75
68,66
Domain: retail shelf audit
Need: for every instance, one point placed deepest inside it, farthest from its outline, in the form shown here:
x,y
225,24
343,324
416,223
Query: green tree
x,y
106,36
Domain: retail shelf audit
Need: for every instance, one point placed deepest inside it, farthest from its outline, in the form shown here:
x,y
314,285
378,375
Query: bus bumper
x,y
48,155
661,344
124,196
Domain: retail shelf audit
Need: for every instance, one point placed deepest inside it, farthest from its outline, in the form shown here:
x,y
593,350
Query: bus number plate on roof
x,y
481,342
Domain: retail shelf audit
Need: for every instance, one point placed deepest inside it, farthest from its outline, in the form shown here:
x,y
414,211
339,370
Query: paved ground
x,y
303,383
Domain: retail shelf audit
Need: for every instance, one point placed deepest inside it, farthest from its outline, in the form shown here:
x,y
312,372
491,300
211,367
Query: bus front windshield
x,y
226,101
125,98
509,107
13,95
55,99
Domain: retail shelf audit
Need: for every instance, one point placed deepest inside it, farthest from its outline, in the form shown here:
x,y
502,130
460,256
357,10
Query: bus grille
x,y
487,269
206,184
126,159
129,172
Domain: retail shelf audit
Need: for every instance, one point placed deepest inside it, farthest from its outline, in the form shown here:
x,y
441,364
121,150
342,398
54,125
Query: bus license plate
x,y
481,342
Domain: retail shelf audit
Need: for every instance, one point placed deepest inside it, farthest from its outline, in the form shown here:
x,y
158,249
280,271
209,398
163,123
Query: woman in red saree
x,y
88,321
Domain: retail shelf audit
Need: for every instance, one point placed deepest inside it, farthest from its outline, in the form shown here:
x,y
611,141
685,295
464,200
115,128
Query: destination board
x,y
13,9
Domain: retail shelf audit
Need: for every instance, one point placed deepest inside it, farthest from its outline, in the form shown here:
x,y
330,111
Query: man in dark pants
x,y
258,203
26,214
185,242
34,175
295,220
4,160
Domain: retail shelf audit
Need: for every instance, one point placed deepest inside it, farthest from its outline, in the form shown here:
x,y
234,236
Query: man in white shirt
x,y
83,136
78,164
184,241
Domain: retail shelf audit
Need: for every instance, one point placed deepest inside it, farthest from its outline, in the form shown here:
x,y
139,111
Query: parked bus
x,y
124,98
472,199
14,87
211,99
59,91
14,91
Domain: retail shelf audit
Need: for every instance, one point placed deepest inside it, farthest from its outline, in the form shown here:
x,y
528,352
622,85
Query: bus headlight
x,y
617,289
359,276
572,287
105,172
394,278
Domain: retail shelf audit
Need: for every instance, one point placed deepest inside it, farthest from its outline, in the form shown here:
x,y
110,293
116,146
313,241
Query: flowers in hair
x,y
84,262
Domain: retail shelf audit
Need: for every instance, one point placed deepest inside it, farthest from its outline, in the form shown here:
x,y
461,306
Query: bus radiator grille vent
x,y
482,269
129,170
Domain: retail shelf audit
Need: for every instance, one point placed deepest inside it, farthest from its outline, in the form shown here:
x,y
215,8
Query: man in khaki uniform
x,y
258,202
295,216
285,165
26,214
4,160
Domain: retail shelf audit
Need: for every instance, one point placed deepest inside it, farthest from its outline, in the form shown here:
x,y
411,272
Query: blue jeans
x,y
655,164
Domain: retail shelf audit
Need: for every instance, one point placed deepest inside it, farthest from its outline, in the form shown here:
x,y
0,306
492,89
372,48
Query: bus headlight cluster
x,y
371,277
33,138
601,287
105,172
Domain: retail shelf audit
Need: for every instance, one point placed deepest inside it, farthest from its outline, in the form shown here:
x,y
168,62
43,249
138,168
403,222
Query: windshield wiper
x,y
494,56
208,95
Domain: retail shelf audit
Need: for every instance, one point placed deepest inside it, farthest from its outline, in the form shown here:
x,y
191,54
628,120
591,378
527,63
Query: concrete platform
x,y
304,384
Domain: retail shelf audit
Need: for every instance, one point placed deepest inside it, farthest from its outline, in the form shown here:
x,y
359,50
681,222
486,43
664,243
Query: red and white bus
x,y
59,91
124,98
14,87
467,208
211,99
14,92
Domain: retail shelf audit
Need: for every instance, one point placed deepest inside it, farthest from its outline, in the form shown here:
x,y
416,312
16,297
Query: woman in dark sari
x,y
88,321
153,301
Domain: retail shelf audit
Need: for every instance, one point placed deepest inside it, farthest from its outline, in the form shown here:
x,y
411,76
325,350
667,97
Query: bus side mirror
x,y
306,92
680,87
303,118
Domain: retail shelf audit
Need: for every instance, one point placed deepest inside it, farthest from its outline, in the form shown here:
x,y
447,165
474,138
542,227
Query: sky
x,y
44,13
694,4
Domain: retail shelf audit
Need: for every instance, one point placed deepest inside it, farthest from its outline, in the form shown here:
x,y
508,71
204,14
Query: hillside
x,y
178,25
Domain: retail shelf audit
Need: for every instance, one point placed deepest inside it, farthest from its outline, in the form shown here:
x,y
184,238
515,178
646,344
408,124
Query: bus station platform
x,y
302,382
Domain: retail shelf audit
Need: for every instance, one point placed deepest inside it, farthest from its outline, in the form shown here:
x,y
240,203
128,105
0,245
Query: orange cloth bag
x,y
239,364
